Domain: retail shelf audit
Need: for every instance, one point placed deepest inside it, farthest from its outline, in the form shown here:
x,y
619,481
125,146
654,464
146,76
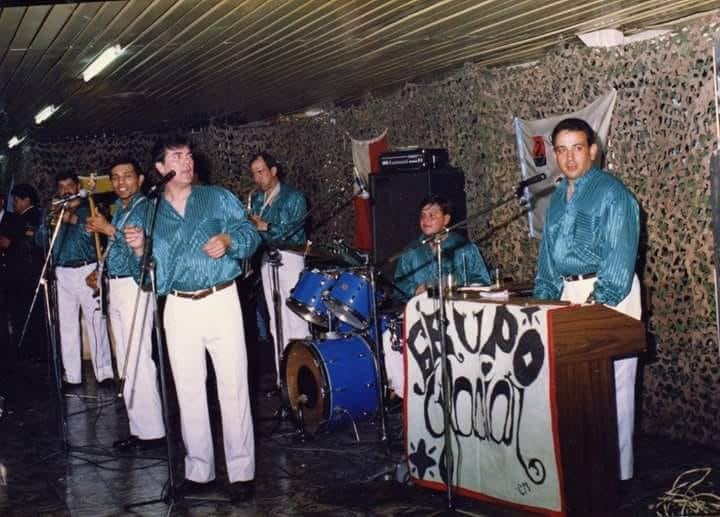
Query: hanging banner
x,y
366,160
536,156
503,424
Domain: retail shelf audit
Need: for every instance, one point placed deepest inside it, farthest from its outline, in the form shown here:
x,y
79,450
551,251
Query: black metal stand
x,y
47,282
148,269
445,377
380,375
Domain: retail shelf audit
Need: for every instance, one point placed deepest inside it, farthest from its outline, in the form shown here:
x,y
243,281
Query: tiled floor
x,y
331,474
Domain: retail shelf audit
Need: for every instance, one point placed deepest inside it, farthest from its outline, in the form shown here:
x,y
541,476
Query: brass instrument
x,y
247,263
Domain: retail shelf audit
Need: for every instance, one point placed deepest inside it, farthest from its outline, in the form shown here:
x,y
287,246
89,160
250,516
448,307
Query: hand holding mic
x,y
81,194
156,189
520,189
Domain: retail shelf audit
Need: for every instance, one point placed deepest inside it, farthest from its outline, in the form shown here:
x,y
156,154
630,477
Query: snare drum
x,y
305,299
330,382
349,299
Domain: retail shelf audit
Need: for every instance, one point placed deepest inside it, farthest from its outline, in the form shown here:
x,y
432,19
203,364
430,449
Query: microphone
x,y
82,194
155,189
527,182
360,184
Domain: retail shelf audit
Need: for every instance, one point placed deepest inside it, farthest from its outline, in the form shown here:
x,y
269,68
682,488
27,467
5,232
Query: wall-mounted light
x,y
108,55
14,141
45,113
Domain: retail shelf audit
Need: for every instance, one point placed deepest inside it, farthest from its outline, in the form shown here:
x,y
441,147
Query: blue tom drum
x,y
349,299
306,299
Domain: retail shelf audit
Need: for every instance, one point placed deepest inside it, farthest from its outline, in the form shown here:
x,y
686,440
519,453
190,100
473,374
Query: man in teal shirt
x,y
75,258
589,249
127,305
200,238
416,271
277,210
417,267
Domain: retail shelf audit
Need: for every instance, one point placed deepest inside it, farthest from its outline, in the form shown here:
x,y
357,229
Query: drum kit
x,y
332,378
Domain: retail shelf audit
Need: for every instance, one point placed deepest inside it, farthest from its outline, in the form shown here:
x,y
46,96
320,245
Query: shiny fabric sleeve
x,y
548,282
244,238
622,232
121,259
404,277
472,262
286,213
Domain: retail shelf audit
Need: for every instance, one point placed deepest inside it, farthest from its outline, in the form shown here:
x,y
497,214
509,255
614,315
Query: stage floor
x,y
331,474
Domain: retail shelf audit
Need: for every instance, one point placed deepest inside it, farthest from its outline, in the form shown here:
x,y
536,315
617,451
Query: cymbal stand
x,y
380,377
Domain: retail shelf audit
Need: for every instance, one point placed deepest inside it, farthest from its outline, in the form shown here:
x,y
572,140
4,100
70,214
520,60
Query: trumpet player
x,y
75,259
133,342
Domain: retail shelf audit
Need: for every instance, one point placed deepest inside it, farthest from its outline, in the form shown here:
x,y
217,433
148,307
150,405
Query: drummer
x,y
416,270
277,210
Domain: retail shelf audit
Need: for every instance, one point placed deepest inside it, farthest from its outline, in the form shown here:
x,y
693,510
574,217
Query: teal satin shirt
x,y
120,260
418,264
597,231
283,213
73,243
181,263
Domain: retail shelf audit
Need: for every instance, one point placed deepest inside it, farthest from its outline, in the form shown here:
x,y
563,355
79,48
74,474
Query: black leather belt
x,y
77,263
199,295
118,277
575,278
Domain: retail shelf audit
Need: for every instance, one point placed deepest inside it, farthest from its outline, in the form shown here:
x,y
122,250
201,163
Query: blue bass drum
x,y
330,383
306,300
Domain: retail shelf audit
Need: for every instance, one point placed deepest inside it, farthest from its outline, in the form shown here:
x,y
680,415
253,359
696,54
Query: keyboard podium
x,y
532,405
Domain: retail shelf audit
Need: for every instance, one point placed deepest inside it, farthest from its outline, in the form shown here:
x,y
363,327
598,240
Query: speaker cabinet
x,y
395,201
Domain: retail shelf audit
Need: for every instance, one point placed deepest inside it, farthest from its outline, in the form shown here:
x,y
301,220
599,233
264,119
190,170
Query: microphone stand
x,y
445,377
437,239
47,276
147,269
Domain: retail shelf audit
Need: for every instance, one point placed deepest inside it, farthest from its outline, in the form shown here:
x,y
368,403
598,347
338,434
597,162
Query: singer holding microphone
x,y
134,359
200,238
589,250
74,256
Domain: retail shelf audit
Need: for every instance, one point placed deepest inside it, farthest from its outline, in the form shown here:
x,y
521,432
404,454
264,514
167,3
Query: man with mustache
x,y
589,250
140,391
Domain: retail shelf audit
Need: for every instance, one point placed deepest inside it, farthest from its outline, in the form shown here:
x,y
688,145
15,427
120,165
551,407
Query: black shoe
x,y
190,489
106,383
241,491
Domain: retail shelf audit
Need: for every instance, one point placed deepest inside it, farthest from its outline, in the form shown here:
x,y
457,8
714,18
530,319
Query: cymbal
x,y
310,250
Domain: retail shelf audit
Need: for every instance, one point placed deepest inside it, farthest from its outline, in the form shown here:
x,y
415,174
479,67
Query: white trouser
x,y
213,324
142,398
293,326
73,293
394,365
625,369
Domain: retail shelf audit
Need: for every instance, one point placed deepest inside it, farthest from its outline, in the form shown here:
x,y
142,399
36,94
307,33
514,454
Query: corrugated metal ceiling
x,y
188,60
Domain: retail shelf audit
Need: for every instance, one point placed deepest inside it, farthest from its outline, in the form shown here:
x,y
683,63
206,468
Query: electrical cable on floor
x,y
683,499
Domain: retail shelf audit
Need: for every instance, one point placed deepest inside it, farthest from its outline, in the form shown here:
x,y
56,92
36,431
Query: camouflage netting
x,y
662,133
